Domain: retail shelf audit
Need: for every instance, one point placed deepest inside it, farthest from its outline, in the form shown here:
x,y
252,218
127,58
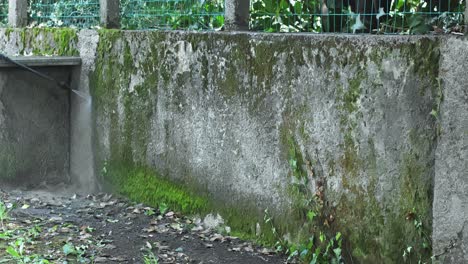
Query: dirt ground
x,y
58,227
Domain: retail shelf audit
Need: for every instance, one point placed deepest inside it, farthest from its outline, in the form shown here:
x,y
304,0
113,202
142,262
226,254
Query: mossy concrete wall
x,y
345,126
337,125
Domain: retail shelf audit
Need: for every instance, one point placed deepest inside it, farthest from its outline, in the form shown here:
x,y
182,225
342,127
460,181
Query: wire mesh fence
x,y
64,13
341,16
3,12
172,14
358,16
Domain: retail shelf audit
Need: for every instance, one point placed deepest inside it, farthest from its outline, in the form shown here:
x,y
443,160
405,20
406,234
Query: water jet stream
x,y
82,95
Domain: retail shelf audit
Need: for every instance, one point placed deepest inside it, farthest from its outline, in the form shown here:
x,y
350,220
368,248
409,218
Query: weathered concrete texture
x,y
451,182
34,127
264,120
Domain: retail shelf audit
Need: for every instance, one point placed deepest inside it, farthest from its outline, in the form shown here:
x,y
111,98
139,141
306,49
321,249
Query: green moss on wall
x,y
8,32
129,111
63,40
378,231
46,41
424,54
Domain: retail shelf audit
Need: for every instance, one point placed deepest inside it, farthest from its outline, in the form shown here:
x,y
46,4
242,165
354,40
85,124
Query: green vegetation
x,y
402,16
16,250
45,41
405,17
193,15
18,240
64,13
316,248
145,185
189,14
150,258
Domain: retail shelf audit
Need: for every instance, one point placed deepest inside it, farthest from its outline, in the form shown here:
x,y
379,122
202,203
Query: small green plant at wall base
x,y
316,250
424,243
149,212
163,208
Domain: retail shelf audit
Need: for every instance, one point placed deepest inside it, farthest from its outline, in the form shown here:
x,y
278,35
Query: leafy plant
x,y
64,13
317,249
285,16
163,208
150,258
193,15
78,251
34,232
413,250
404,17
149,212
17,251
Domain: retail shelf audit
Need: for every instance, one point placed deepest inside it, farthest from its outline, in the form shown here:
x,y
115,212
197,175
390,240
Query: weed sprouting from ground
x,y
150,258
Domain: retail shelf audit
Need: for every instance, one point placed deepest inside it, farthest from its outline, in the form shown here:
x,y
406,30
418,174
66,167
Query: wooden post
x,y
236,15
110,13
18,13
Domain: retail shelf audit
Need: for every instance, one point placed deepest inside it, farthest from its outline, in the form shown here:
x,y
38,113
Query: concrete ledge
x,y
42,61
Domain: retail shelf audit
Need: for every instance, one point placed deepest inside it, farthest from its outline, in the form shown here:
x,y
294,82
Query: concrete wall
x,y
34,127
451,166
358,129
269,119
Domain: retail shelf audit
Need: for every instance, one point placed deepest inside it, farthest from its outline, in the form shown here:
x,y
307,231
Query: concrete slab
x,y
42,61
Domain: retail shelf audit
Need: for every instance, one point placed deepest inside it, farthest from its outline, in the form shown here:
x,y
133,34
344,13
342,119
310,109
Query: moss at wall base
x,y
144,185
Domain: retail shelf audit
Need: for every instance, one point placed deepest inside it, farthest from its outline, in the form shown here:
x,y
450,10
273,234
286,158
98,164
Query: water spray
x,y
62,85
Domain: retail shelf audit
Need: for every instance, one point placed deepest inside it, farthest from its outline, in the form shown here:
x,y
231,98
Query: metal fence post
x,y
110,13
17,13
236,14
